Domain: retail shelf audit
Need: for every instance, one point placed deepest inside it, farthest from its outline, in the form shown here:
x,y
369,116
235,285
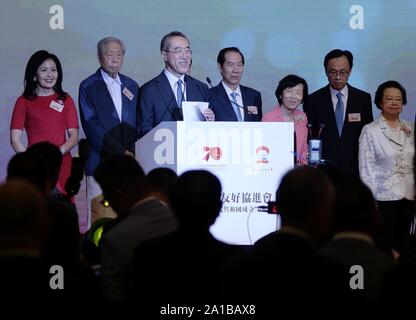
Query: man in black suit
x,y
185,265
161,98
356,224
284,264
229,100
342,110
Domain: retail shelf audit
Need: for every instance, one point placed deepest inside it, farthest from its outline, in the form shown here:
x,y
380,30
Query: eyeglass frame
x,y
335,73
179,52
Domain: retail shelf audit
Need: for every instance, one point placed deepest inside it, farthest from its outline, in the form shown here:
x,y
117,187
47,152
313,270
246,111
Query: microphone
x,y
315,147
321,127
209,82
73,183
310,130
176,115
83,149
270,208
236,104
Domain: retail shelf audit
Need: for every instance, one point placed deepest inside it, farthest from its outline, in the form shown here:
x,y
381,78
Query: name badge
x,y
252,109
57,106
128,94
354,117
299,117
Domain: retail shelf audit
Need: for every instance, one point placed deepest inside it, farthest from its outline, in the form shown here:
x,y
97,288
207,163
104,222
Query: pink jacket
x,y
301,130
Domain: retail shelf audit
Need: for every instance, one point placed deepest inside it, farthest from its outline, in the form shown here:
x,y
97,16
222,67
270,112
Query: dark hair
x,y
385,85
23,214
165,40
162,180
196,199
121,174
31,167
52,156
289,82
336,53
221,54
30,73
355,208
301,192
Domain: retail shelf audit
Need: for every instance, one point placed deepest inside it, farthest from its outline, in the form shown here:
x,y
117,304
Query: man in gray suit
x,y
140,217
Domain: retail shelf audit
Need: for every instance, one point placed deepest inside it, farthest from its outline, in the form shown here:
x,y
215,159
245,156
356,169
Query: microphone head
x,y
209,81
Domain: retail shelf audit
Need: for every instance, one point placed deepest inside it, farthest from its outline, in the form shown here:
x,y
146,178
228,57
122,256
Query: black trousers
x,y
397,217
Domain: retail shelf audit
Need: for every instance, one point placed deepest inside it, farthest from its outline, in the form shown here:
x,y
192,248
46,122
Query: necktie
x,y
235,106
179,93
339,113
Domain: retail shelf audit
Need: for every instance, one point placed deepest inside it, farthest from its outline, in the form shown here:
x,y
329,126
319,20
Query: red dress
x,y
42,123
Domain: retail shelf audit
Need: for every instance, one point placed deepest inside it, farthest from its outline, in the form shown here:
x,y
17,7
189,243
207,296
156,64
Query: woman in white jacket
x,y
386,163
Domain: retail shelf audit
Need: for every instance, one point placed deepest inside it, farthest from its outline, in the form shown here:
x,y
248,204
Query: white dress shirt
x,y
114,88
239,97
334,98
173,81
386,160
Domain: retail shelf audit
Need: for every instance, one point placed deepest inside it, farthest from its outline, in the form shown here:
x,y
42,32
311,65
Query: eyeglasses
x,y
179,52
392,99
335,73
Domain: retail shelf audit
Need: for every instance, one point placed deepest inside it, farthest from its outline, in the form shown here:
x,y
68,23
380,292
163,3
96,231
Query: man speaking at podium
x,y
229,100
161,98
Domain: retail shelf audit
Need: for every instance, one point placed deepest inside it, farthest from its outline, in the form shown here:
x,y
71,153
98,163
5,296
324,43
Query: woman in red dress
x,y
45,111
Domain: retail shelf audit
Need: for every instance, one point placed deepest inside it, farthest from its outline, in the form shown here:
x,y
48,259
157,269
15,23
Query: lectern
x,y
249,158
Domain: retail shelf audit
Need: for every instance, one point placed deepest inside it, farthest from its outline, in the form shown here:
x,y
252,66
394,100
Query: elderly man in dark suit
x,y
229,100
339,111
161,98
107,104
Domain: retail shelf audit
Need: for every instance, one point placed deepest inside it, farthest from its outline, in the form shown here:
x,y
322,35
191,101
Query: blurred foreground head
x,y
23,216
123,182
196,199
305,201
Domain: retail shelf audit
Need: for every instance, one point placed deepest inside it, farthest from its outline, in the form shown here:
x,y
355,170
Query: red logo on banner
x,y
262,154
214,153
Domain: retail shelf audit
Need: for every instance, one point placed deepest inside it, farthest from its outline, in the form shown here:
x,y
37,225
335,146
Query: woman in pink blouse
x,y
45,111
290,93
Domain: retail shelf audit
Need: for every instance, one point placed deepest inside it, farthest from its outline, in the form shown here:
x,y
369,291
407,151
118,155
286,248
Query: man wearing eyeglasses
x,y
161,98
230,100
339,111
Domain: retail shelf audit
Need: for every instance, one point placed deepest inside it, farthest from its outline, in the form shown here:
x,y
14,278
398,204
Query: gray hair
x,y
103,42
165,40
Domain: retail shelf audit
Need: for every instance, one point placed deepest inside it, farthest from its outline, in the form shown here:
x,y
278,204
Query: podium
x,y
249,158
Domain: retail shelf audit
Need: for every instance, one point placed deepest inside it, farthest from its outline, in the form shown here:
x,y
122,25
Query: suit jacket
x,y
182,266
288,268
157,101
301,130
103,129
350,251
340,151
146,220
221,104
